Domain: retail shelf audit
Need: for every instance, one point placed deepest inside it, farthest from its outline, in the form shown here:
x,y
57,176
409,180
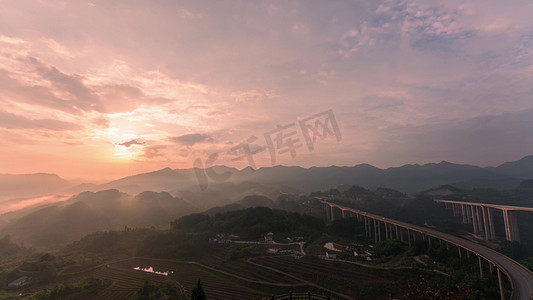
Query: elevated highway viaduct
x,y
520,277
480,215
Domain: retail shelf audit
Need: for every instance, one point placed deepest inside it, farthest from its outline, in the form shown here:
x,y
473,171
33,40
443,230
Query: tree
x,y
421,291
198,291
157,291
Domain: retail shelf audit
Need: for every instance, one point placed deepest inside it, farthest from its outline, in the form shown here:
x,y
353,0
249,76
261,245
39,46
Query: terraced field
x,y
125,282
253,272
342,277
216,286
348,279
300,267
250,278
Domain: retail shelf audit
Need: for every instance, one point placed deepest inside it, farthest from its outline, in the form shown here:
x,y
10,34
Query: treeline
x,y
288,202
10,252
88,286
150,290
419,210
189,235
7,247
251,223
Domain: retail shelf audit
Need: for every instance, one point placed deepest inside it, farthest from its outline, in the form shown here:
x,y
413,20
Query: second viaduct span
x,y
521,278
480,215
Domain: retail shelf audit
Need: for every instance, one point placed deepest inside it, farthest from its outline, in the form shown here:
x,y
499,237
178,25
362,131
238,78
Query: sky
x,y
104,89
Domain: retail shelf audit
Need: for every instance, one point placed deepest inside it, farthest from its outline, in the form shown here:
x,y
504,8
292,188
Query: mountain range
x,y
410,178
166,194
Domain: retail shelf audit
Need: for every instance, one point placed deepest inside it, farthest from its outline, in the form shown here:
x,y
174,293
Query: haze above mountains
x,y
407,179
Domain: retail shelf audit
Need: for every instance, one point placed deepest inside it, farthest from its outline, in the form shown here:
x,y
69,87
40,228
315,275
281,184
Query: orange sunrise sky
x,y
97,90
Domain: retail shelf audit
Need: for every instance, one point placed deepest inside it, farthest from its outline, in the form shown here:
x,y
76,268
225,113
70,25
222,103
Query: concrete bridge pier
x,y
369,227
379,231
463,213
369,222
485,224
500,283
491,224
478,219
511,226
375,231
474,220
366,227
480,266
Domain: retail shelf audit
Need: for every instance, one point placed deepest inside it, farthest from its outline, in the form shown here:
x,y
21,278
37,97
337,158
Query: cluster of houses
x,y
295,239
222,238
360,251
269,237
364,252
282,251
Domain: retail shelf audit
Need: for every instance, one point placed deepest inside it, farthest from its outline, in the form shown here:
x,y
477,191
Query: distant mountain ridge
x,y
410,178
522,168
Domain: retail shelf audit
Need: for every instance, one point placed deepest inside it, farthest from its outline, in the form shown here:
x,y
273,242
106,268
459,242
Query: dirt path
x,y
417,258
301,244
247,279
389,268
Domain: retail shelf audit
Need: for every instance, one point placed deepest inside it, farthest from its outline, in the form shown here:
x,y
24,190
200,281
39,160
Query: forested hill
x,y
53,226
